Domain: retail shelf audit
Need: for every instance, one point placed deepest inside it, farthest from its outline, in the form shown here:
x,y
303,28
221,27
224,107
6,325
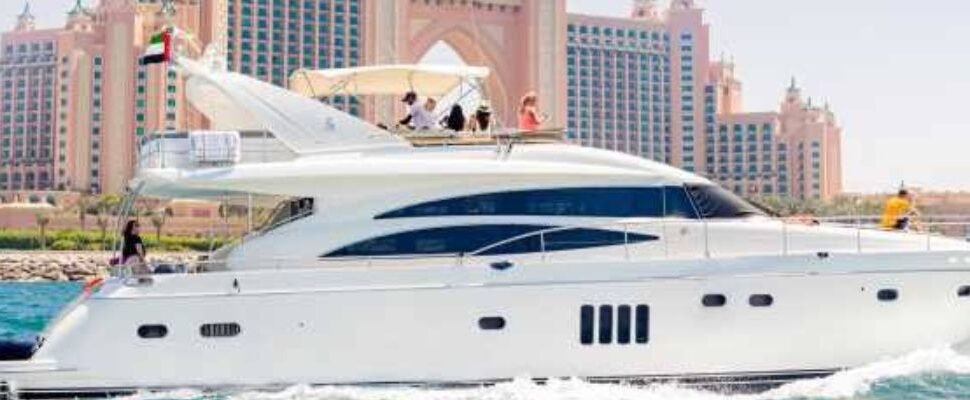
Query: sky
x,y
896,73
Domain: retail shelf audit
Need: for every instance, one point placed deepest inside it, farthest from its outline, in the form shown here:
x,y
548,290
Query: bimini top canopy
x,y
237,102
426,80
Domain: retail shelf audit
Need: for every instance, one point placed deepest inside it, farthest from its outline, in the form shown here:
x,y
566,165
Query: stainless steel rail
x,y
625,247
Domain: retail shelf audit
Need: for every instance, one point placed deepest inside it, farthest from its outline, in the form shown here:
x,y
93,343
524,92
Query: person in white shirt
x,y
418,117
424,117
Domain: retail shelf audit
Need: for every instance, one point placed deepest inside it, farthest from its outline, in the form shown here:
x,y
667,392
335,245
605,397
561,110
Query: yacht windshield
x,y
713,201
288,211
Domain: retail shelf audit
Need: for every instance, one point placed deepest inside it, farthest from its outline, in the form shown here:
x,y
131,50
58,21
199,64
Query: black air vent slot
x,y
223,329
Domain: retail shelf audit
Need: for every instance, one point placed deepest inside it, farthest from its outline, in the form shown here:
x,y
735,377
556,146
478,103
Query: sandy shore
x,y
65,266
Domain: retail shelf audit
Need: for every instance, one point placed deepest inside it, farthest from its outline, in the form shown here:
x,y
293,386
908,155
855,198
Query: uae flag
x,y
159,48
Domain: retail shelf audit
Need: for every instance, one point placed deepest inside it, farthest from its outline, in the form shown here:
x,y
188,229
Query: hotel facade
x,y
75,102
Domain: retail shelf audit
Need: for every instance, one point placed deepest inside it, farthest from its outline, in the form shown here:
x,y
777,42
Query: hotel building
x,y
792,152
76,100
645,85
638,84
29,152
269,39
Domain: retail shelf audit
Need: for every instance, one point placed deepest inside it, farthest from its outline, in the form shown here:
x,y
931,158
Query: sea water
x,y
925,374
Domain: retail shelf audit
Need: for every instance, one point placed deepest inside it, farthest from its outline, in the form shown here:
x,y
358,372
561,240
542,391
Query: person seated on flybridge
x,y
455,120
530,120
898,211
481,120
418,117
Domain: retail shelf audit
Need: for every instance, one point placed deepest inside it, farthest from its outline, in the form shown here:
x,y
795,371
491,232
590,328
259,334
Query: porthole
x,y
225,329
963,291
153,331
887,295
714,300
491,323
761,300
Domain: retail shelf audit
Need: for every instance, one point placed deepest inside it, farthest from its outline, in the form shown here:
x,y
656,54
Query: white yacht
x,y
434,260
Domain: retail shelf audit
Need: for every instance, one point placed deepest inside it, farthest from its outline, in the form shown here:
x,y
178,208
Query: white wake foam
x,y
846,384
860,380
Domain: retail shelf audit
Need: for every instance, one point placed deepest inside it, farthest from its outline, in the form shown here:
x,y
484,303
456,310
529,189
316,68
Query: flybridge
x,y
205,149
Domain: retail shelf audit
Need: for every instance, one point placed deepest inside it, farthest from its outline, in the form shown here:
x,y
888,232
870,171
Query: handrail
x,y
541,233
255,146
462,259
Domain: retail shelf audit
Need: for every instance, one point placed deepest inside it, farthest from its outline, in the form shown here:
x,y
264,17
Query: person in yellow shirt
x,y
897,211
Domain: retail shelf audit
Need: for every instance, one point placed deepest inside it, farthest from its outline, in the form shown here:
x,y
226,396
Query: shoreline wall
x,y
40,266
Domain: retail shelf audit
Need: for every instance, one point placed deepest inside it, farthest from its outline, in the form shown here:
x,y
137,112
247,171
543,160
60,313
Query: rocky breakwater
x,y
65,266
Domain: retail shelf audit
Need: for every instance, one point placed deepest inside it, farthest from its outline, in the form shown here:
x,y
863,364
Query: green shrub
x,y
29,239
63,244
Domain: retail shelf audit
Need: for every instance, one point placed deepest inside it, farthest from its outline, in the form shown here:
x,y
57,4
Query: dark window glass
x,y
714,300
491,323
152,331
713,201
586,315
468,239
761,300
606,325
642,324
226,329
623,324
587,202
677,203
887,295
963,291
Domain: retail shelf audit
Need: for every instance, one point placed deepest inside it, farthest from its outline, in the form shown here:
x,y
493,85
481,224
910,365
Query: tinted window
x,y
623,324
586,314
587,202
467,239
713,201
642,324
761,300
606,324
713,300
677,203
152,331
887,295
491,323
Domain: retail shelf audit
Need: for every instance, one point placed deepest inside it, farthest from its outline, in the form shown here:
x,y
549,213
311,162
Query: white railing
x,y
171,149
699,245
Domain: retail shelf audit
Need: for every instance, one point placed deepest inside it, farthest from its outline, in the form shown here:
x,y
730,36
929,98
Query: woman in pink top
x,y
529,118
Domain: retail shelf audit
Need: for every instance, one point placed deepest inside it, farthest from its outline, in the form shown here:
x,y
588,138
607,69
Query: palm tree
x,y
42,220
82,209
157,219
102,219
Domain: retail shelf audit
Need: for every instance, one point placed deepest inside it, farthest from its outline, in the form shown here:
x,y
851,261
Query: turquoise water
x,y
26,307
926,374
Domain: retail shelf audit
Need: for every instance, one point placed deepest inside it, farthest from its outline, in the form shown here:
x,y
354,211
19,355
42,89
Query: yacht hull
x,y
477,325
